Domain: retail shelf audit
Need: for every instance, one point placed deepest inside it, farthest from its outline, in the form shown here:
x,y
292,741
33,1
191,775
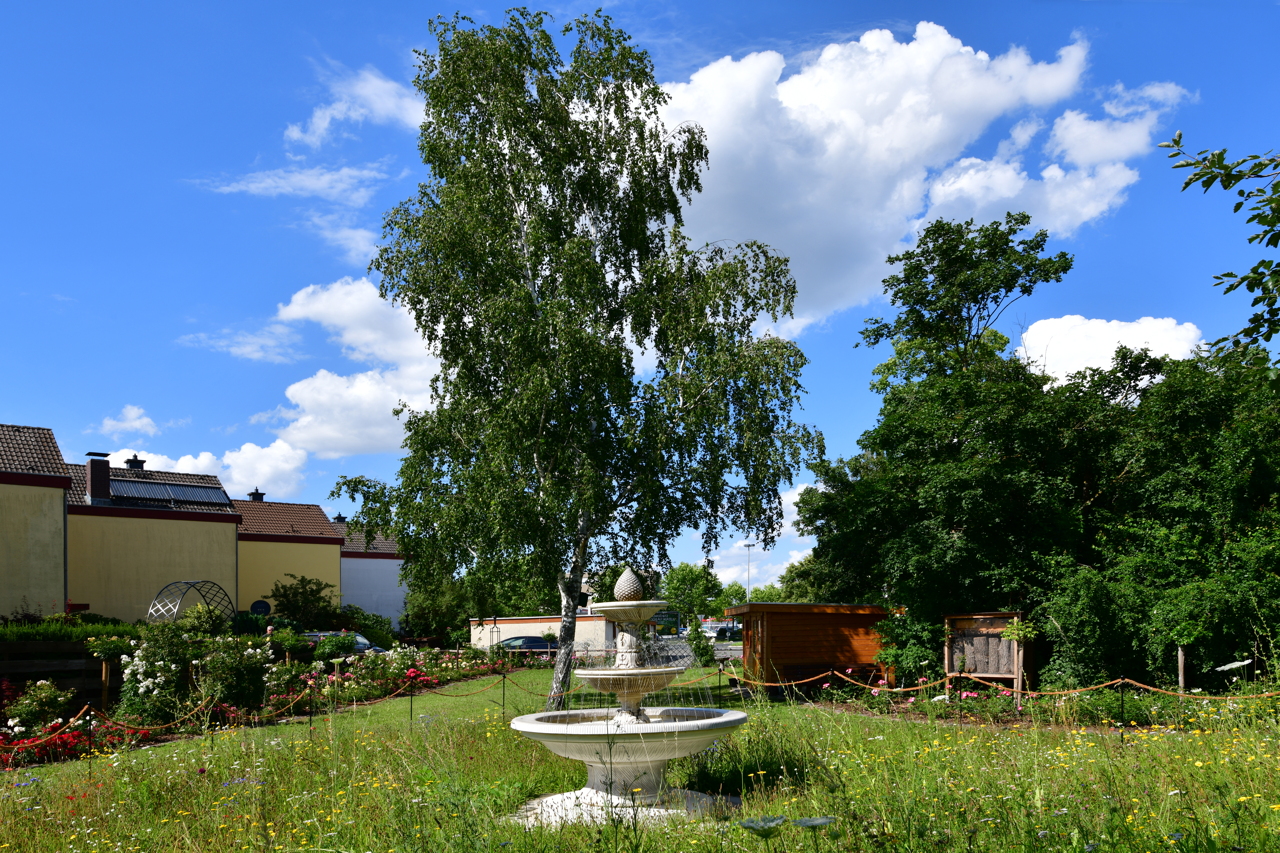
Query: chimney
x,y
135,463
256,495
97,477
340,519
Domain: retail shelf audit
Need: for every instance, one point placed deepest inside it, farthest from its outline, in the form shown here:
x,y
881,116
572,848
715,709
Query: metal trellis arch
x,y
168,600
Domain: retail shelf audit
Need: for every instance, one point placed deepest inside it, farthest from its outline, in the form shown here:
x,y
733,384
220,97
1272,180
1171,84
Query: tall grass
x,y
447,776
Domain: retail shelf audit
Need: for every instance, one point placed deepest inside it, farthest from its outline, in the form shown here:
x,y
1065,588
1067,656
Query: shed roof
x,y
283,519
30,450
793,607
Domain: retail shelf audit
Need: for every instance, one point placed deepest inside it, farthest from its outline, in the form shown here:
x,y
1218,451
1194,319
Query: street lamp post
x,y
749,546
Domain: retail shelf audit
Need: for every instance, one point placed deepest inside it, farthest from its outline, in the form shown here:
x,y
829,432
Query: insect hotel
x,y
976,646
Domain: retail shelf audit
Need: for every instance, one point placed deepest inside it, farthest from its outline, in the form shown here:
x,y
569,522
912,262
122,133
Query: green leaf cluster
x,y
1254,180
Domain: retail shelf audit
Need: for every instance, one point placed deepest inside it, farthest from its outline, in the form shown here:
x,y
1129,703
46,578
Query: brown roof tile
x,y
30,450
283,519
356,541
76,494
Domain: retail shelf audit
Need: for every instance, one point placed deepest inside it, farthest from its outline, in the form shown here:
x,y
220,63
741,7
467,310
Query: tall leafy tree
x,y
691,589
540,257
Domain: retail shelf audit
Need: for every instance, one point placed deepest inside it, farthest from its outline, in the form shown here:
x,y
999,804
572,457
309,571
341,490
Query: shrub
x,y
40,705
335,646
374,626
232,671
307,601
703,652
203,619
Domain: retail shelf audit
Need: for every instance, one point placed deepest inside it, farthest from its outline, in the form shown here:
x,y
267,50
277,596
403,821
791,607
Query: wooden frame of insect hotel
x,y
791,642
976,645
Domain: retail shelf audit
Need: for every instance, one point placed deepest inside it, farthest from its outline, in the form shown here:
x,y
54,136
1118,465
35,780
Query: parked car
x,y
530,644
729,635
363,646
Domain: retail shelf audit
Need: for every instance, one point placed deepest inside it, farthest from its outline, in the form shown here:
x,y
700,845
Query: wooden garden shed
x,y
791,642
974,645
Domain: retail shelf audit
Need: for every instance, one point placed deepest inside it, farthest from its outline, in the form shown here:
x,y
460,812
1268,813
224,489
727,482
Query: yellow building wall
x,y
117,565
31,548
264,563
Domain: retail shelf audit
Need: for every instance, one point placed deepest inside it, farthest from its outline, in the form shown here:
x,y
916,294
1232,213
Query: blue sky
x,y
193,190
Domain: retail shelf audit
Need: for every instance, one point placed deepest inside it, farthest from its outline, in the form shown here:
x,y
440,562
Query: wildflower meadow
x,y
442,771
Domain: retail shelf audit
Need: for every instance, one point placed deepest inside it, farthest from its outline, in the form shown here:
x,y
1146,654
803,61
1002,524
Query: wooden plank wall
x,y
792,646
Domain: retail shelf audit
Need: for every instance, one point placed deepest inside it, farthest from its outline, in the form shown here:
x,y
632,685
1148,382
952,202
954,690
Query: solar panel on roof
x,y
198,494
153,491
139,489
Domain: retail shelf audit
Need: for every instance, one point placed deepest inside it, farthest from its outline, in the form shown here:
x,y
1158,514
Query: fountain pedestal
x,y
626,750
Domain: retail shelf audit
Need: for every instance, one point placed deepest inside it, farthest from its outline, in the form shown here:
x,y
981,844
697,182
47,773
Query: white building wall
x,y
374,585
594,630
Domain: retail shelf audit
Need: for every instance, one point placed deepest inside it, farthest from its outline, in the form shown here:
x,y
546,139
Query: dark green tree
x,y
951,290
542,254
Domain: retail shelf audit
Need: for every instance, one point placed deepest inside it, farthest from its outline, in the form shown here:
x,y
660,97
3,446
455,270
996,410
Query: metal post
x,y
749,546
504,695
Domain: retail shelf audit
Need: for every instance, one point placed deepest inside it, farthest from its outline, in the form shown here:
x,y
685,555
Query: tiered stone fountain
x,y
626,749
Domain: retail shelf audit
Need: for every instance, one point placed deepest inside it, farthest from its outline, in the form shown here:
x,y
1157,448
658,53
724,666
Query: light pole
x,y
749,546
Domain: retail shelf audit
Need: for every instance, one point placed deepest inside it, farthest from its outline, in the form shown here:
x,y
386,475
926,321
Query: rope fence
x,y
1028,693
503,678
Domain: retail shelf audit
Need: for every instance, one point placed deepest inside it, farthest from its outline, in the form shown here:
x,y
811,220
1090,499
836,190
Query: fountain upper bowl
x,y
627,611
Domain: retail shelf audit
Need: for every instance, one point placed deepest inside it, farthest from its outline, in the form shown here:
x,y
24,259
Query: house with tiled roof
x,y
277,539
131,531
371,572
108,539
33,521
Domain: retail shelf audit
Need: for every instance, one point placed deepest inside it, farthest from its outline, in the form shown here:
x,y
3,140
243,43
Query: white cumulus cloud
x,y
132,420
838,163
1061,346
346,185
333,415
364,95
276,469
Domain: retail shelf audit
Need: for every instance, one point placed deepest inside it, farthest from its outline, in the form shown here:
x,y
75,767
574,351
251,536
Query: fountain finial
x,y
629,587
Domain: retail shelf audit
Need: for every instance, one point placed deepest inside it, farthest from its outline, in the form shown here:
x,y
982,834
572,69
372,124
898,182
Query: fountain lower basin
x,y
626,761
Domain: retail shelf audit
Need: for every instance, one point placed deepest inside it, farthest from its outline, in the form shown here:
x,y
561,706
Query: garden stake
x,y
504,695
1122,709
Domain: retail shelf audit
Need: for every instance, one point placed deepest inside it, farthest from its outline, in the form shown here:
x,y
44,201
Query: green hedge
x,y
54,631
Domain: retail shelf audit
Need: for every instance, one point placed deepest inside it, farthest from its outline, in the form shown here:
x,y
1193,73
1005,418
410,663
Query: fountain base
x,y
625,760
590,805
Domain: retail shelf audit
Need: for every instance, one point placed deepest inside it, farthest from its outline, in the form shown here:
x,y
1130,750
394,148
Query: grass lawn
x,y
377,778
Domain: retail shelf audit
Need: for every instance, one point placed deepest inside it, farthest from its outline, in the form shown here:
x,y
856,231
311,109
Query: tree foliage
x,y
691,589
1254,180
543,254
1127,510
952,288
